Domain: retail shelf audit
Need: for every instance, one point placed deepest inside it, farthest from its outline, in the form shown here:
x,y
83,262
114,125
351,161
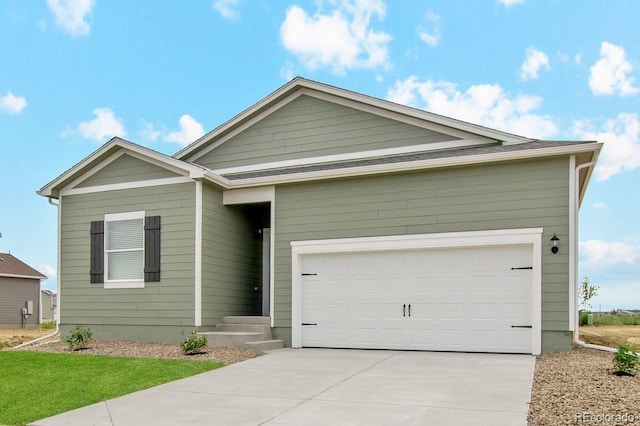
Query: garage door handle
x,y
309,323
522,267
409,309
404,310
521,326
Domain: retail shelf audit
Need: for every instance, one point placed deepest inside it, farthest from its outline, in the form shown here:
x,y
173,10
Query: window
x,y
124,247
125,250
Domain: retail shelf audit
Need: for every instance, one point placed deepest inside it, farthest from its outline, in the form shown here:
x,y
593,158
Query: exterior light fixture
x,y
554,243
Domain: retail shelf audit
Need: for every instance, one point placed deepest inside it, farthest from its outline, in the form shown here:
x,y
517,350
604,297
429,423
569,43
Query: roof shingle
x,y
11,266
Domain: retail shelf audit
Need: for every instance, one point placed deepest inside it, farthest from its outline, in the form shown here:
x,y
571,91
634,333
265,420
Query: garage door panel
x,y
461,299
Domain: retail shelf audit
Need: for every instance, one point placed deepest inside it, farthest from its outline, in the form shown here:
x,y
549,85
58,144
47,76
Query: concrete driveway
x,y
332,387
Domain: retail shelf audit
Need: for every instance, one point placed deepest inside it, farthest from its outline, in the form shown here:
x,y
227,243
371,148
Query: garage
x,y
467,292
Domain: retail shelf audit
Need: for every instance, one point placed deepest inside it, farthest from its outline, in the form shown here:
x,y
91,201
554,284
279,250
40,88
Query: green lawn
x,y
34,385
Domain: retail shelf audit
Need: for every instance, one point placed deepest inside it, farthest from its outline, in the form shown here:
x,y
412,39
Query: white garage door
x,y
460,299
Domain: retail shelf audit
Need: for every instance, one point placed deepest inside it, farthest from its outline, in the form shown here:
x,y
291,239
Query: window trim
x,y
129,283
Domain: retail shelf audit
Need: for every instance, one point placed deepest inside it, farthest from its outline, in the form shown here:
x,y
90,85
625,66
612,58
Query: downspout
x,y
57,330
576,333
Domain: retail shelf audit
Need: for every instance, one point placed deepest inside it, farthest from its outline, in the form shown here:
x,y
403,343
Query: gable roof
x,y
10,266
301,86
96,160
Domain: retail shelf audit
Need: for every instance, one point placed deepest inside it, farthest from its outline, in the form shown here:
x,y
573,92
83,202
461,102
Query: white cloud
x,y
485,104
621,137
228,9
609,75
288,71
48,270
341,40
577,59
190,130
104,126
598,254
12,104
508,3
601,206
71,15
431,38
148,132
533,63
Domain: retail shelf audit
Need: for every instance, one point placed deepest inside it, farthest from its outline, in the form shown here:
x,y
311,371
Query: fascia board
x,y
590,170
107,153
33,277
283,95
413,165
359,155
448,123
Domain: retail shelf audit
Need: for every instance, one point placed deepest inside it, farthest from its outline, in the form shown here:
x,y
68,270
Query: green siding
x,y
230,260
168,304
126,169
310,127
485,197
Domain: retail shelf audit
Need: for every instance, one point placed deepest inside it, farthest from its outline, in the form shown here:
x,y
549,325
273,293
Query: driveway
x,y
332,387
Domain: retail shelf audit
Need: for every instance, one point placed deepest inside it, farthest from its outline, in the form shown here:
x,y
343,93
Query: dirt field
x,y
611,335
10,337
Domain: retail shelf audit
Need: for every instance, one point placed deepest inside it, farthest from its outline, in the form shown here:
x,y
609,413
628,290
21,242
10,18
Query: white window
x,y
124,249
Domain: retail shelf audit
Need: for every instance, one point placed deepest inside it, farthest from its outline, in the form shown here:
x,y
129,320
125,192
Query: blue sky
x,y
161,73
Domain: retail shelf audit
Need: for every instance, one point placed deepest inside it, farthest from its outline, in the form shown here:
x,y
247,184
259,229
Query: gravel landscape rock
x,y
226,355
579,388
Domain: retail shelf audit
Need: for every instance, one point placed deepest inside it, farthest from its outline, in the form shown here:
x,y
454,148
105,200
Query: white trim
x,y
22,276
434,146
198,257
298,86
412,165
126,185
266,271
59,274
111,217
123,284
272,261
114,217
106,151
573,241
235,131
263,194
532,236
393,113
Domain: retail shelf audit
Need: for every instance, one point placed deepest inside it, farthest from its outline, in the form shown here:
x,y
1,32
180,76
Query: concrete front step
x,y
246,320
246,328
230,338
267,345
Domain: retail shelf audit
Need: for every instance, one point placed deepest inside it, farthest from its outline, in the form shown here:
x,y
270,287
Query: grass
x,y
611,335
35,385
609,319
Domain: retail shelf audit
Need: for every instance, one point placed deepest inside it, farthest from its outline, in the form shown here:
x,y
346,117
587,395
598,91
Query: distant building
x,y
49,305
19,293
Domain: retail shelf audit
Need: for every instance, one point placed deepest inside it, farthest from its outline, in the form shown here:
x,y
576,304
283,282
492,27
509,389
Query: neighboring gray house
x,y
345,220
48,304
19,293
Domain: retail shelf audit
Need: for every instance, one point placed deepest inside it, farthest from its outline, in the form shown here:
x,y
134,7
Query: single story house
x,y
19,293
344,220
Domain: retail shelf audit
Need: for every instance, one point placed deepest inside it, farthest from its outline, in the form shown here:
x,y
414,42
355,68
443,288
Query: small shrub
x,y
193,344
626,360
78,338
584,318
48,325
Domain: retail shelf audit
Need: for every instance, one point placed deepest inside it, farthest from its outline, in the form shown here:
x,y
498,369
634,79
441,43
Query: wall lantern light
x,y
554,243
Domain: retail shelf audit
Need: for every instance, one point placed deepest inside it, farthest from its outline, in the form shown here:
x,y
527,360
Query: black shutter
x,y
152,248
97,252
